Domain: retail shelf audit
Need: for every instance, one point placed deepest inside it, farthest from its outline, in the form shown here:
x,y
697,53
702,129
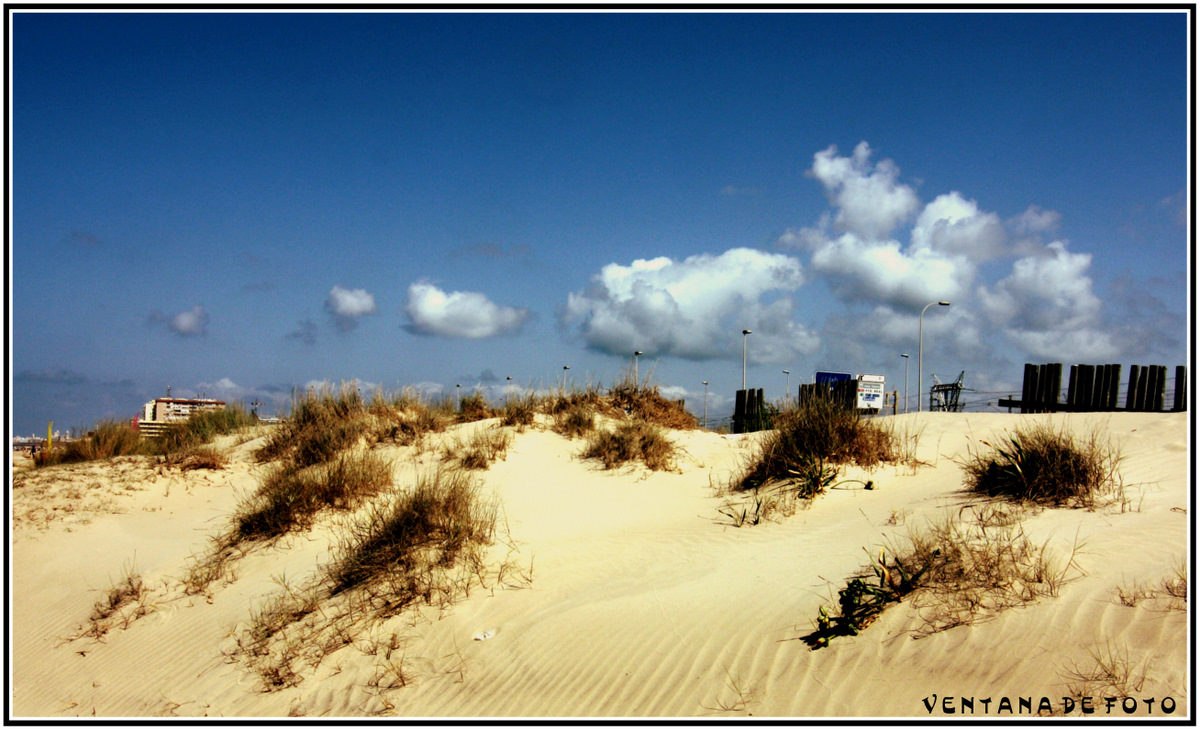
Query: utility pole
x,y
744,333
921,349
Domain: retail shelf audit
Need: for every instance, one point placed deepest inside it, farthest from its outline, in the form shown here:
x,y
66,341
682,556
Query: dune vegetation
x,y
391,506
183,445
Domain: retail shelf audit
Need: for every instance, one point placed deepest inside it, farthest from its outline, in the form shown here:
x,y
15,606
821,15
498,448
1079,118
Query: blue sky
x,y
238,204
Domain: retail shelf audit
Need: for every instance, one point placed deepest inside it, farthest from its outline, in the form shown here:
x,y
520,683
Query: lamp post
x,y
637,384
564,382
458,396
507,388
787,391
705,404
744,333
921,348
905,382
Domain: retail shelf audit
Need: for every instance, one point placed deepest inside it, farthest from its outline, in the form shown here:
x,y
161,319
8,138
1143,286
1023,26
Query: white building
x,y
160,413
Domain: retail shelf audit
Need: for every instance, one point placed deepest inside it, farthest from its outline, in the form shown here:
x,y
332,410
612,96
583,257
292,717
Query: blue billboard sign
x,y
829,378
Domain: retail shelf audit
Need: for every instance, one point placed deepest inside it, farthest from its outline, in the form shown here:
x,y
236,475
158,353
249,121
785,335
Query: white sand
x,y
629,594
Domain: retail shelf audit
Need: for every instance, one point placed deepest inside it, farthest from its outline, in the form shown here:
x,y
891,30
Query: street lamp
x,y
636,383
744,333
458,395
787,391
921,348
905,382
705,404
507,388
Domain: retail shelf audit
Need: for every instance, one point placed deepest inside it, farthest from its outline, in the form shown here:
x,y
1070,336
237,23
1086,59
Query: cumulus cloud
x,y
470,315
855,249
869,200
954,226
1046,306
347,306
1037,220
694,308
882,271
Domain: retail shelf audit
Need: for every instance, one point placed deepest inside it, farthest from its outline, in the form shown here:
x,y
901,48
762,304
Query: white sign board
x,y
870,391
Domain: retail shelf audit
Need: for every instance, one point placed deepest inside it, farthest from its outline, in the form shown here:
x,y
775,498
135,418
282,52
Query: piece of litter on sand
x,y
485,635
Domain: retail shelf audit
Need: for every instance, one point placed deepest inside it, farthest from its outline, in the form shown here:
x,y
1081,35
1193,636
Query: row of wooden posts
x,y
750,414
1097,388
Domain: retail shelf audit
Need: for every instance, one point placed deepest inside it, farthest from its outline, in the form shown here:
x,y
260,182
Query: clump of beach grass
x,y
1110,673
642,400
322,423
484,447
422,545
563,399
196,457
955,572
474,407
124,600
411,426
397,545
519,411
1042,464
576,420
808,442
631,441
290,496
108,439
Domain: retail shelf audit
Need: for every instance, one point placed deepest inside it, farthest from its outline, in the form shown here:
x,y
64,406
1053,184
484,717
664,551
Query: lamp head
x,y
746,332
944,304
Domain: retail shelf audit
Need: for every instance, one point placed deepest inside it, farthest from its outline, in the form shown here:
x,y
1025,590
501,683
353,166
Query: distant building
x,y
160,413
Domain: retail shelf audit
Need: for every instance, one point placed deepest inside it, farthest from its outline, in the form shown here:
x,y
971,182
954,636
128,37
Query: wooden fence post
x,y
1143,386
1180,388
1131,389
1028,388
1114,387
1160,384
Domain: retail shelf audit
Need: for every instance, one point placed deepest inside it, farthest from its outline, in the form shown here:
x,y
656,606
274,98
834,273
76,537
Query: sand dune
x,y
626,593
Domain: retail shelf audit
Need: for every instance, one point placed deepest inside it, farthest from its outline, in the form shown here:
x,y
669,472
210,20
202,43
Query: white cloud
x,y
459,314
348,305
855,246
870,202
192,323
954,226
881,271
223,389
1037,220
694,308
1047,307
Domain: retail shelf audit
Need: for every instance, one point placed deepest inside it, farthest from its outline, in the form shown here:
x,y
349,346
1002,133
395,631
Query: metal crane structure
x,y
944,396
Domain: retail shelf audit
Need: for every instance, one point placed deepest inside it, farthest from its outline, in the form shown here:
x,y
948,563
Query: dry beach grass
x,y
376,556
